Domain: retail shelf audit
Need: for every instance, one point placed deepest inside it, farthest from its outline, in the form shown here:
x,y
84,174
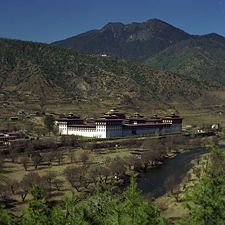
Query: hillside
x,y
35,72
136,41
201,58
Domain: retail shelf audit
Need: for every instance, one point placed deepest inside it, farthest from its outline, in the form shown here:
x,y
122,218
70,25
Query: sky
x,y
52,20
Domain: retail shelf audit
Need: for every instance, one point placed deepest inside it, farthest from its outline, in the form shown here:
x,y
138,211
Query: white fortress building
x,y
116,124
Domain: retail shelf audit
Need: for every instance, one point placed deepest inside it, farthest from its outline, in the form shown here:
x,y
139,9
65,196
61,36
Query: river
x,y
152,183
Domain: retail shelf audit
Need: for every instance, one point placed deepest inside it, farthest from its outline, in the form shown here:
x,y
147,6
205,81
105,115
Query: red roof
x,y
108,120
8,137
147,125
83,125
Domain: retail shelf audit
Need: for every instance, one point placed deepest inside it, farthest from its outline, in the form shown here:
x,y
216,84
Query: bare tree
x,y
148,158
13,153
156,149
118,167
59,155
26,182
24,160
11,185
100,173
49,157
37,159
49,178
29,149
93,173
72,156
1,163
75,176
131,161
84,157
105,173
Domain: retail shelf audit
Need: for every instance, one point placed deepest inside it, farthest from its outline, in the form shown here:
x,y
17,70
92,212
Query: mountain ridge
x,y
127,41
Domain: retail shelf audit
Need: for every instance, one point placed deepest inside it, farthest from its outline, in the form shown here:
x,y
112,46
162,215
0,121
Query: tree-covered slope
x,y
41,72
201,58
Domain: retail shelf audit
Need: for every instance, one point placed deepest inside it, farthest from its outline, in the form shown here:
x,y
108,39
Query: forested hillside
x,y
40,72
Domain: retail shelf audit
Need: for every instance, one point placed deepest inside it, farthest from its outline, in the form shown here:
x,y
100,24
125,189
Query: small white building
x,y
115,124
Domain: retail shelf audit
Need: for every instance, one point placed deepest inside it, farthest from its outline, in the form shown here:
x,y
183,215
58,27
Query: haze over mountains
x,y
40,72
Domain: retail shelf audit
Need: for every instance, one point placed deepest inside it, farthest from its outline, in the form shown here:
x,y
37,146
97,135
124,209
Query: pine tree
x,y
137,210
207,199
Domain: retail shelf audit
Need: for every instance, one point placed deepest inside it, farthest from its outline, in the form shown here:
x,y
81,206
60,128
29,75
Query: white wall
x,y
103,131
63,128
82,131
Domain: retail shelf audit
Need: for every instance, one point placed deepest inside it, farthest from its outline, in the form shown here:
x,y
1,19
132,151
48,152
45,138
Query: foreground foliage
x,y
207,199
100,208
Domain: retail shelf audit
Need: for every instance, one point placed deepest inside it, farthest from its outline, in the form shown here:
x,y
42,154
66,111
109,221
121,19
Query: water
x,y
153,182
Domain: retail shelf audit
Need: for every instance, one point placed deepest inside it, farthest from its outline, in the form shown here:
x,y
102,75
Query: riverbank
x,y
172,204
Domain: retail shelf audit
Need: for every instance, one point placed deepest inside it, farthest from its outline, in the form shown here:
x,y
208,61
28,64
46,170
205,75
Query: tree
x,y
75,176
148,158
137,211
29,149
59,156
118,167
72,156
99,172
11,185
24,160
49,122
207,199
25,184
4,194
37,212
1,163
37,159
6,218
49,157
13,153
49,178
84,157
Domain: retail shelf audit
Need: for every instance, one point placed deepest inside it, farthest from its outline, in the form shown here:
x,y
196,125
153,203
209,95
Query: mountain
x,y
201,58
41,73
136,41
159,45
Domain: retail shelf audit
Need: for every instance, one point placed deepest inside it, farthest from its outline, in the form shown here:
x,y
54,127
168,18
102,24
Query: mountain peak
x,y
155,20
133,41
113,26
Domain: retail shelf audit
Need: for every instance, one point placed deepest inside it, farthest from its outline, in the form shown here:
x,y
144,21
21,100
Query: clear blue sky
x,y
51,20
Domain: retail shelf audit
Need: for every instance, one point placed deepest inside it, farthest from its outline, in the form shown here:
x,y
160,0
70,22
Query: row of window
x,y
167,121
82,129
